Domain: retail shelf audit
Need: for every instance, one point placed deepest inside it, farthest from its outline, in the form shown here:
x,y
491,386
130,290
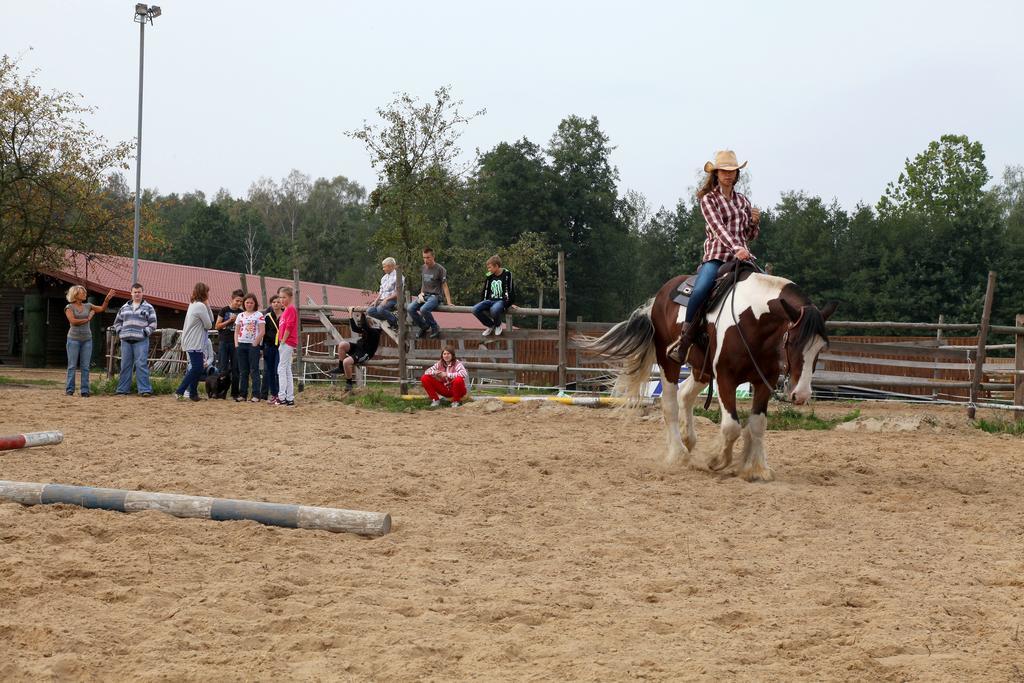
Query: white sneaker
x,y
435,404
456,404
185,395
497,331
487,332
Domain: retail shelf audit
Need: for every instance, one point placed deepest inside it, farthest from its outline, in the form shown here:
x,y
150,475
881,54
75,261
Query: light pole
x,y
143,13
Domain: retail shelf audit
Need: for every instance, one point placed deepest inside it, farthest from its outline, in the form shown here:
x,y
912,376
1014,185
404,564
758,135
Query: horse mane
x,y
811,323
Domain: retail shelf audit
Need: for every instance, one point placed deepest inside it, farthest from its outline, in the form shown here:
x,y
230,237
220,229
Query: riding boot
x,y
678,351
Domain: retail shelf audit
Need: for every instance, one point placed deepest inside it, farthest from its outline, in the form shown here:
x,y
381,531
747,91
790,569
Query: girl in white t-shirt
x,y
249,330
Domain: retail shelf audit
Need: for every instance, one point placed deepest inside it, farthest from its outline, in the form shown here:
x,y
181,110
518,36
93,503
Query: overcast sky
x,y
825,97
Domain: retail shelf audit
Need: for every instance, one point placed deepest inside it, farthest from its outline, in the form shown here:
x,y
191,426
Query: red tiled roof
x,y
170,285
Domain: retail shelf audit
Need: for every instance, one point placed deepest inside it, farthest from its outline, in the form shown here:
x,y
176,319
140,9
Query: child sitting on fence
x,y
447,377
498,297
351,354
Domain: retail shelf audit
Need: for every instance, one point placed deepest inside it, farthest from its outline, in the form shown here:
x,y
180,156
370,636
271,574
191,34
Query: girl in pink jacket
x,y
447,377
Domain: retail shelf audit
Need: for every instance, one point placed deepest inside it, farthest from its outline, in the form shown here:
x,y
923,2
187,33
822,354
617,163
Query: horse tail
x,y
630,343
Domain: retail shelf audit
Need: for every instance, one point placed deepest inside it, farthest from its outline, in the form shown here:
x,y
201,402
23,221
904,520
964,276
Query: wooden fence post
x,y
1018,364
263,290
323,293
540,304
245,284
979,359
403,387
562,327
299,368
938,342
110,353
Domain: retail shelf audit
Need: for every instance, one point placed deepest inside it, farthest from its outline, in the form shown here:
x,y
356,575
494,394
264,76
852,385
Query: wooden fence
x,y
961,368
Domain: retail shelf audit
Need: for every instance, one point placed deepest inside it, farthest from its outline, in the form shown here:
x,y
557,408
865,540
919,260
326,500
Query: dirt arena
x,y
530,543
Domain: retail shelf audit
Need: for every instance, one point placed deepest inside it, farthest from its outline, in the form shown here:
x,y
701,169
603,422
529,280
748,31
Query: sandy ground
x,y
530,543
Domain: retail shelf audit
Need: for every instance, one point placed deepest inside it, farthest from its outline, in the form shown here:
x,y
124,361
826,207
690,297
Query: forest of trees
x,y
923,249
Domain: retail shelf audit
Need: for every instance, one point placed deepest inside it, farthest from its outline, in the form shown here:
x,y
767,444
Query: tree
x,y
591,230
510,192
54,189
414,153
944,228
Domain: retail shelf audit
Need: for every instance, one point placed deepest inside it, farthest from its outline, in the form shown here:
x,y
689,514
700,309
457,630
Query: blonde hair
x,y
389,262
73,290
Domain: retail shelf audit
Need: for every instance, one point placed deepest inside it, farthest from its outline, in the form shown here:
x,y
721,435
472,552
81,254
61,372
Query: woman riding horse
x,y
731,224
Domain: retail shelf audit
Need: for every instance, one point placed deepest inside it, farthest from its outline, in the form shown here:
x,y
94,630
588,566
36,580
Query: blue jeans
x,y
384,312
134,356
490,313
79,356
190,382
270,355
421,314
702,287
248,367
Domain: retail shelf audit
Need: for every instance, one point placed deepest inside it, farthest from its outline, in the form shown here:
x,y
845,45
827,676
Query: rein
x,y
739,328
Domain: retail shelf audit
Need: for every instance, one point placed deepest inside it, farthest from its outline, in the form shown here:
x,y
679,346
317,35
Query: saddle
x,y
723,283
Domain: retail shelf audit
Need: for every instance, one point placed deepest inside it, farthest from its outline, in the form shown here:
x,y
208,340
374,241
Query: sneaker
x,y
434,333
488,332
144,394
254,400
185,395
497,331
69,393
421,333
86,395
456,404
239,399
435,404
272,401
290,404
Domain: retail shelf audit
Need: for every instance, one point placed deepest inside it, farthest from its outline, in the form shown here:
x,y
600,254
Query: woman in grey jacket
x,y
198,320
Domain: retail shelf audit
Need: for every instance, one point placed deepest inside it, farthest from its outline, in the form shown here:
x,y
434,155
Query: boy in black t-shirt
x,y
351,354
225,325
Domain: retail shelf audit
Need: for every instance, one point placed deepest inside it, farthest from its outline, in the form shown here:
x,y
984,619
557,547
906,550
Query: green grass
x,y
1001,426
162,385
379,399
30,382
787,418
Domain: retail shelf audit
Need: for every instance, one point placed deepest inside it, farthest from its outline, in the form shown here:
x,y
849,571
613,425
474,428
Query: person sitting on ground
x,y
227,359
79,313
134,323
384,305
249,330
194,338
271,353
434,282
447,377
351,354
499,296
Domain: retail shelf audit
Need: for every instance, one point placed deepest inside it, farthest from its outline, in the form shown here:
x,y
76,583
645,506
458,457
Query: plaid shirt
x,y
729,224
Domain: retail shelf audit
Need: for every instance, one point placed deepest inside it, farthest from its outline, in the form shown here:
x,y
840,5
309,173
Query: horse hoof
x,y
764,474
719,464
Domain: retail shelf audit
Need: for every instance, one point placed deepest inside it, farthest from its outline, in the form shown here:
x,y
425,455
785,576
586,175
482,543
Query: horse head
x,y
805,339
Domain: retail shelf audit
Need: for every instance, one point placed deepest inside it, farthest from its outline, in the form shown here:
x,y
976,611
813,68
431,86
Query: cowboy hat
x,y
725,160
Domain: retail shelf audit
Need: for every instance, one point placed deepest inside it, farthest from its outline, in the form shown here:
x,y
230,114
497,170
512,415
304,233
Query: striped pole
x,y
592,401
199,507
30,439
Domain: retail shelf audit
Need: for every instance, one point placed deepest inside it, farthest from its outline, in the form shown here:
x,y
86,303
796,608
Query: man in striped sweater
x,y
134,323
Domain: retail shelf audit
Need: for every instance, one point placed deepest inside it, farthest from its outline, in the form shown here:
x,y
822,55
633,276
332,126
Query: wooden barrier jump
x,y
199,507
30,440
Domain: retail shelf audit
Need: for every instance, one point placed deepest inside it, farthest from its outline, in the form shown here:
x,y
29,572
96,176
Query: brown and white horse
x,y
763,320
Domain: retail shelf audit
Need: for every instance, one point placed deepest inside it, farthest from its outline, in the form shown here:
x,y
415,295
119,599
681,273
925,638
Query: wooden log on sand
x,y
15,441
199,507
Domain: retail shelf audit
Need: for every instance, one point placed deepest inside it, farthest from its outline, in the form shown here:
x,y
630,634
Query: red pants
x,y
436,388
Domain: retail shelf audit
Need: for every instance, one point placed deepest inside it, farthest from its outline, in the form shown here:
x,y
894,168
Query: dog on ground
x,y
217,384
